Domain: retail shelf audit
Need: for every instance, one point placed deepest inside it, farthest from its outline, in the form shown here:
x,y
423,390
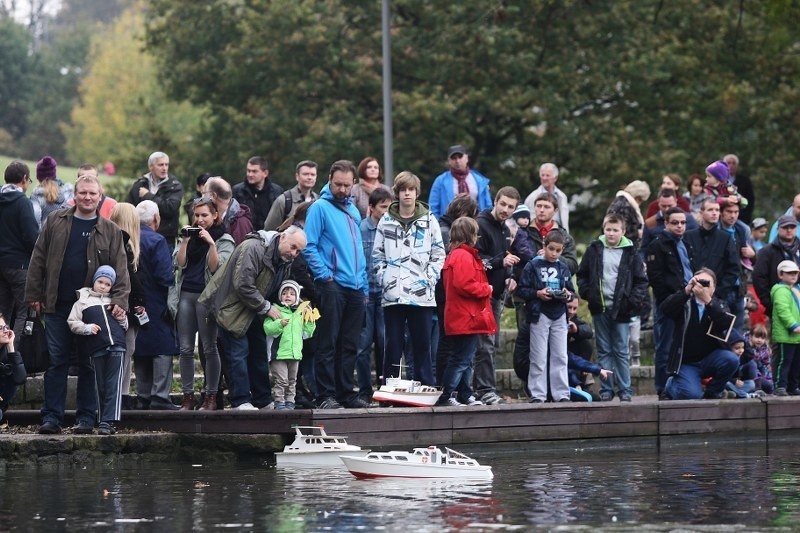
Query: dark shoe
x,y
188,402
564,400
141,404
492,398
536,400
357,403
624,397
209,403
305,403
128,403
330,403
162,405
83,428
664,397
106,429
606,396
780,391
49,428
795,392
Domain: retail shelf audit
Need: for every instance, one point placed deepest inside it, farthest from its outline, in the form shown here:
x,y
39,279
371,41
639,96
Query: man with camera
x,y
699,350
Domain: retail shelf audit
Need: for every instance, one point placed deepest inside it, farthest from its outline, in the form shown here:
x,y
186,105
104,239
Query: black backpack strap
x,y
287,205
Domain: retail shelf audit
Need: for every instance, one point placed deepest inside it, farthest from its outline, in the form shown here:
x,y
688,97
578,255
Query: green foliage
x,y
15,65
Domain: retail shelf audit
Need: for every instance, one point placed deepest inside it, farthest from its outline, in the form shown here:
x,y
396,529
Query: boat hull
x,y
413,399
365,468
315,459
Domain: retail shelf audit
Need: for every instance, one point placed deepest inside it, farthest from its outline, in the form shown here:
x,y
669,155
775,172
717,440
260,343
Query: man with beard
x,y
459,179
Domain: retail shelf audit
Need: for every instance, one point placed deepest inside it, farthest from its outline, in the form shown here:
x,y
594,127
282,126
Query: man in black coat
x,y
743,185
494,241
165,190
785,246
257,191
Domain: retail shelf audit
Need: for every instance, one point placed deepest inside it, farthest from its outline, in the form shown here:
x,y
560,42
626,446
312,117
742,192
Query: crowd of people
x,y
300,298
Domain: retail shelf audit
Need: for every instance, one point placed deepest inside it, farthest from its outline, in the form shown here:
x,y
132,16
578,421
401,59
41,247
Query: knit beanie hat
x,y
521,211
105,271
292,284
735,337
46,168
719,169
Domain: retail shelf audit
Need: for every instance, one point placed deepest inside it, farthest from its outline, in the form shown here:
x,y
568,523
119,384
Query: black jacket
x,y
259,202
18,229
664,270
691,342
716,249
168,198
765,271
630,290
494,241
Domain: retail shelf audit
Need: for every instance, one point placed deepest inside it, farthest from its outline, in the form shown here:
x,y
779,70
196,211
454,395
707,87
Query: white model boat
x,y
430,462
313,447
398,391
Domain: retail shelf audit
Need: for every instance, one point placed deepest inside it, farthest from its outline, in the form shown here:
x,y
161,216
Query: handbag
x,y
33,345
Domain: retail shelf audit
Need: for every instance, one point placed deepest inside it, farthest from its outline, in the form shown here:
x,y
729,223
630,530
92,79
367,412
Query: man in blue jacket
x,y
335,256
460,179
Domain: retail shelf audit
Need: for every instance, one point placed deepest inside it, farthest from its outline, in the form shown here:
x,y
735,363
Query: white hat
x,y
787,266
293,285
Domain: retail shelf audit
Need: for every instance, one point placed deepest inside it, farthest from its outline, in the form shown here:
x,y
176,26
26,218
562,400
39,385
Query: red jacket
x,y
467,307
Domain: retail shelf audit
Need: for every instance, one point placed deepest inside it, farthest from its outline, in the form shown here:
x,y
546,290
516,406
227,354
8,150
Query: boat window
x,y
386,457
400,458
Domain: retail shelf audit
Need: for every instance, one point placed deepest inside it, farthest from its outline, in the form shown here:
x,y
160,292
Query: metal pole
x,y
388,145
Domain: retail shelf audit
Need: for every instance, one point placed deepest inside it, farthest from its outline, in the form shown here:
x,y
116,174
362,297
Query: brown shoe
x,y
188,402
210,403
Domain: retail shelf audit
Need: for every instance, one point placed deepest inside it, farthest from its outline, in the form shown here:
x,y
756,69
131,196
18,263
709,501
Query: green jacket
x,y
237,292
289,337
785,314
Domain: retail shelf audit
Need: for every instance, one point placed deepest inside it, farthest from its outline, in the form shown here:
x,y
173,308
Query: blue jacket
x,y
538,274
334,248
442,192
157,337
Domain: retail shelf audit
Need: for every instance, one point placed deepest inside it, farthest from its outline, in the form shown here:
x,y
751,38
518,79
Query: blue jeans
x,y
338,331
248,366
457,375
59,345
663,331
419,320
748,386
371,334
720,365
612,338
736,307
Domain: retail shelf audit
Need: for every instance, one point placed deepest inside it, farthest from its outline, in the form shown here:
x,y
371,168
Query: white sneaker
x,y
270,405
453,402
247,406
474,401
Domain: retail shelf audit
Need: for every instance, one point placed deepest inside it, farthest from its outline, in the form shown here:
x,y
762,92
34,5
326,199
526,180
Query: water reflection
x,y
727,485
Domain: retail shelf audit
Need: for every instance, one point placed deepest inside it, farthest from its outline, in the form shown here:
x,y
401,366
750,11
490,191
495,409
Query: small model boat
x,y
313,447
398,391
430,462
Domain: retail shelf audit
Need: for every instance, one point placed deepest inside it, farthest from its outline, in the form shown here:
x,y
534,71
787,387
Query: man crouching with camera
x,y
699,348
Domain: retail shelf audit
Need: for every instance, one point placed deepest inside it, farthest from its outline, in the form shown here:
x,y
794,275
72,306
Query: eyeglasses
x,y
677,222
4,327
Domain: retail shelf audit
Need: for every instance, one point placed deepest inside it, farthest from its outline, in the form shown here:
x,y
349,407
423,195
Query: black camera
x,y
704,282
189,231
6,369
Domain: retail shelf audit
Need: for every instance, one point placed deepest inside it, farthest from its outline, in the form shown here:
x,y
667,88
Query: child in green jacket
x,y
297,322
785,297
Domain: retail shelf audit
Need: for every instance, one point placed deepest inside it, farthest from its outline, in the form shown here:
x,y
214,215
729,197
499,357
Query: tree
x,y
15,66
123,113
609,91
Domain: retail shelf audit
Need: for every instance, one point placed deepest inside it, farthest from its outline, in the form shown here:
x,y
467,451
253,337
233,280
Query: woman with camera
x,y
202,249
12,371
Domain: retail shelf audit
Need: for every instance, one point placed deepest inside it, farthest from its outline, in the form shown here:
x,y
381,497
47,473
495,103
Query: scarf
x,y
198,248
461,178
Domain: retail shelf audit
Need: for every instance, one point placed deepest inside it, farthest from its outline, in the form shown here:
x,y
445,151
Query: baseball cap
x,y
787,220
787,266
759,223
456,149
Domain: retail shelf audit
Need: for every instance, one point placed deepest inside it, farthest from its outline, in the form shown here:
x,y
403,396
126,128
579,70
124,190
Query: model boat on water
x,y
313,447
430,462
398,391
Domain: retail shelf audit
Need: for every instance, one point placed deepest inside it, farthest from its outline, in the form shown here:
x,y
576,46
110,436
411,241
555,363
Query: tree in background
x,y
123,114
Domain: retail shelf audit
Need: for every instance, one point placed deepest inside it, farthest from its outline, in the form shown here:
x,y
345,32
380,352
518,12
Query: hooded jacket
x,y
288,342
18,228
237,292
468,307
91,308
408,257
630,289
334,250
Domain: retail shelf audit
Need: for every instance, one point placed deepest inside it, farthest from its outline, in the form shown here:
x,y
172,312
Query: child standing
x,y
611,279
757,342
103,338
785,297
467,311
297,323
546,286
